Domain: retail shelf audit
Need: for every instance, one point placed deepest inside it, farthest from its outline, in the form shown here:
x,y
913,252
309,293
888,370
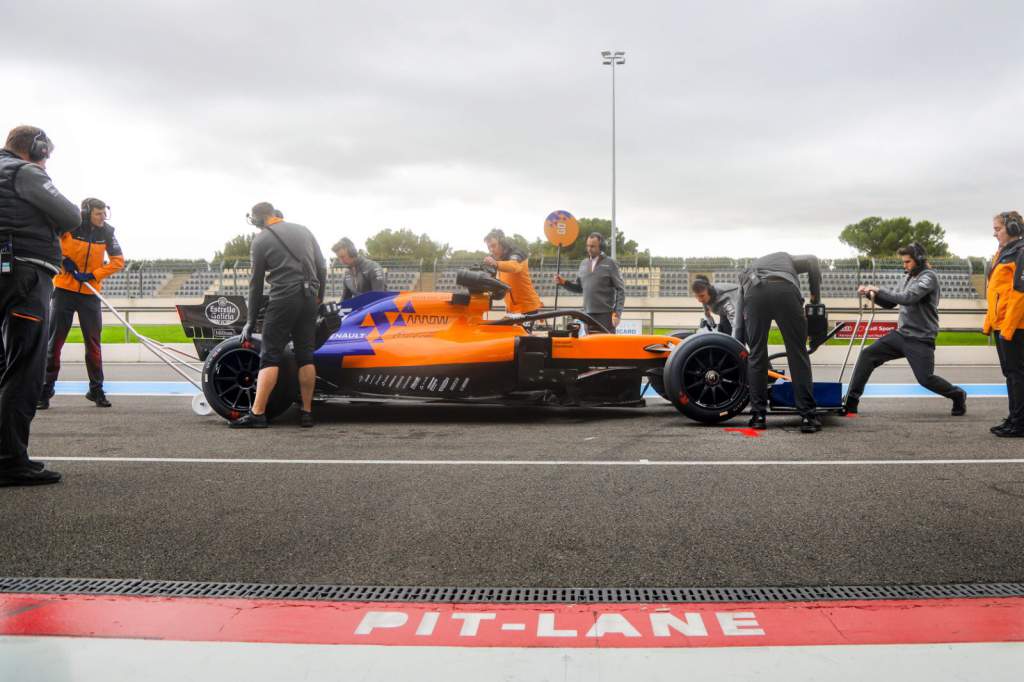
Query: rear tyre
x,y
229,379
706,377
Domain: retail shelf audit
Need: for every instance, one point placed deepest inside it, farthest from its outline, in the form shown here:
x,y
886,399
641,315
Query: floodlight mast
x,y
613,58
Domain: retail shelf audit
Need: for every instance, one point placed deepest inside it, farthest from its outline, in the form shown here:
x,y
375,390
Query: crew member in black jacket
x,y
33,216
771,291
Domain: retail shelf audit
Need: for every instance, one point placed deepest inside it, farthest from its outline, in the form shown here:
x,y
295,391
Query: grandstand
x,y
660,278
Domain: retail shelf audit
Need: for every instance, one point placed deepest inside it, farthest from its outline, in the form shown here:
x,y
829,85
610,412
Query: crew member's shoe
x,y
850,406
1010,431
36,466
758,421
98,397
44,399
1000,426
250,421
810,425
959,403
28,476
305,419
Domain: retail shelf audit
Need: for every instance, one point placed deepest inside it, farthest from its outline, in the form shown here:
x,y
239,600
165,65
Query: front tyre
x,y
706,377
229,379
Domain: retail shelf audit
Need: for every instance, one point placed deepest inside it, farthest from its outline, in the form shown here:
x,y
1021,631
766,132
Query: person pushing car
x,y
771,291
290,256
914,337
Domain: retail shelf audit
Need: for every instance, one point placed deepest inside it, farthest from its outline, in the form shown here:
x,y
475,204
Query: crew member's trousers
x,y
779,301
603,318
1011,359
25,310
63,306
920,353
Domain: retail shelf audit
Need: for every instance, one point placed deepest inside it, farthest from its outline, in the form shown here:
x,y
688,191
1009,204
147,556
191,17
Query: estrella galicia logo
x,y
222,312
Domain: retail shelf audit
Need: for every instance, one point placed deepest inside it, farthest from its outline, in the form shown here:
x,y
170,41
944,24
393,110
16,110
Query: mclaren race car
x,y
439,346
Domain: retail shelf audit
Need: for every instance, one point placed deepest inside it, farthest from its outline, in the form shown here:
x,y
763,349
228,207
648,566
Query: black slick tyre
x,y
229,379
706,377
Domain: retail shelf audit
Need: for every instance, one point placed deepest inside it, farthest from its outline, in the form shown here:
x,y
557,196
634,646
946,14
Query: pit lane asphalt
x,y
488,525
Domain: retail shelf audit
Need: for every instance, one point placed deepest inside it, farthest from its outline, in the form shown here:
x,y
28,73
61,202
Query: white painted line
x,y
538,462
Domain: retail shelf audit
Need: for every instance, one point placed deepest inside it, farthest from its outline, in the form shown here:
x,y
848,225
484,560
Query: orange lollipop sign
x,y
561,228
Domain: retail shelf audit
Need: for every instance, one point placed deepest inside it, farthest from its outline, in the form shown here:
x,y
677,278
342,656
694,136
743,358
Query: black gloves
x,y
247,332
69,265
83,276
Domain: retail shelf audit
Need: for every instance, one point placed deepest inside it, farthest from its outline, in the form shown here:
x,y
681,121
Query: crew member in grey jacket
x,y
914,338
600,282
720,299
297,275
771,291
361,273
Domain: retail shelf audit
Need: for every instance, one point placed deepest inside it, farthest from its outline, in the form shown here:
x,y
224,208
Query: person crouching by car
x,y
513,269
1004,318
599,280
718,299
914,337
290,256
91,254
362,275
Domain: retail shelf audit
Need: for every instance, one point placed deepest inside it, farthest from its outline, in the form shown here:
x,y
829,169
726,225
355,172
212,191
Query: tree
x,y
877,237
405,244
239,248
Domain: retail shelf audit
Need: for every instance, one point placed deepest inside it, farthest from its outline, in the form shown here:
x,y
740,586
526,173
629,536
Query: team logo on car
x,y
222,312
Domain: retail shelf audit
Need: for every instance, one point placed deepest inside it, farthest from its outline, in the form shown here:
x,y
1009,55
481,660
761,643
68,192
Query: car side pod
x,y
705,377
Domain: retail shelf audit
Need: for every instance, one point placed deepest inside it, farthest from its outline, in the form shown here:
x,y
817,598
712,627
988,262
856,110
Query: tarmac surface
x,y
638,497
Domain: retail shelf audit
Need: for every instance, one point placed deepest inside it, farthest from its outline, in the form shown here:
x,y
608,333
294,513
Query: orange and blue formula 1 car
x,y
440,346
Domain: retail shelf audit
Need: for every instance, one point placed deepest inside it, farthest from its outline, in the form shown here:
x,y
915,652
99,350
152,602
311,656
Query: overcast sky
x,y
743,127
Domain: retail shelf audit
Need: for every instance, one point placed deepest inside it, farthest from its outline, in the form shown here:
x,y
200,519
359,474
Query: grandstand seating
x,y
664,277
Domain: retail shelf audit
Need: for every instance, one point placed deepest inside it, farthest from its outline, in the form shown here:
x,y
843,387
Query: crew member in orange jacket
x,y
1004,318
514,270
91,254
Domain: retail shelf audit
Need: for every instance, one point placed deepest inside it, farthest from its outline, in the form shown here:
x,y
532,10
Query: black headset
x,y
88,205
41,147
598,236
350,248
1012,225
917,252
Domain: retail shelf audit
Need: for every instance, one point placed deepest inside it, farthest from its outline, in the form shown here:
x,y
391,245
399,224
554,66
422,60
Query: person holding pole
x,y
599,280
914,338
91,254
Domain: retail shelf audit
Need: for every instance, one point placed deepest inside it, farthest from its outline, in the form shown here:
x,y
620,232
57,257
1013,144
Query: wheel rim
x,y
713,378
234,378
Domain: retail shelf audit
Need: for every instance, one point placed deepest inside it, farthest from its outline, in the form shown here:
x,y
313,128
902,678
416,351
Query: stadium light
x,y
613,58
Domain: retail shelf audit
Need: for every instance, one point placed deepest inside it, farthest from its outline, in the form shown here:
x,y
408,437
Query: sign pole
x,y
558,272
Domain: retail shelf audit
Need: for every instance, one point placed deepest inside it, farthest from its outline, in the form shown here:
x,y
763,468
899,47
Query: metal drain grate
x,y
505,595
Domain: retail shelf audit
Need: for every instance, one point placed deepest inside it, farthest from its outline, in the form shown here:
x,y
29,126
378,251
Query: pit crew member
x,y
361,273
770,287
33,216
297,272
718,299
599,280
91,254
914,338
513,269
1004,318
